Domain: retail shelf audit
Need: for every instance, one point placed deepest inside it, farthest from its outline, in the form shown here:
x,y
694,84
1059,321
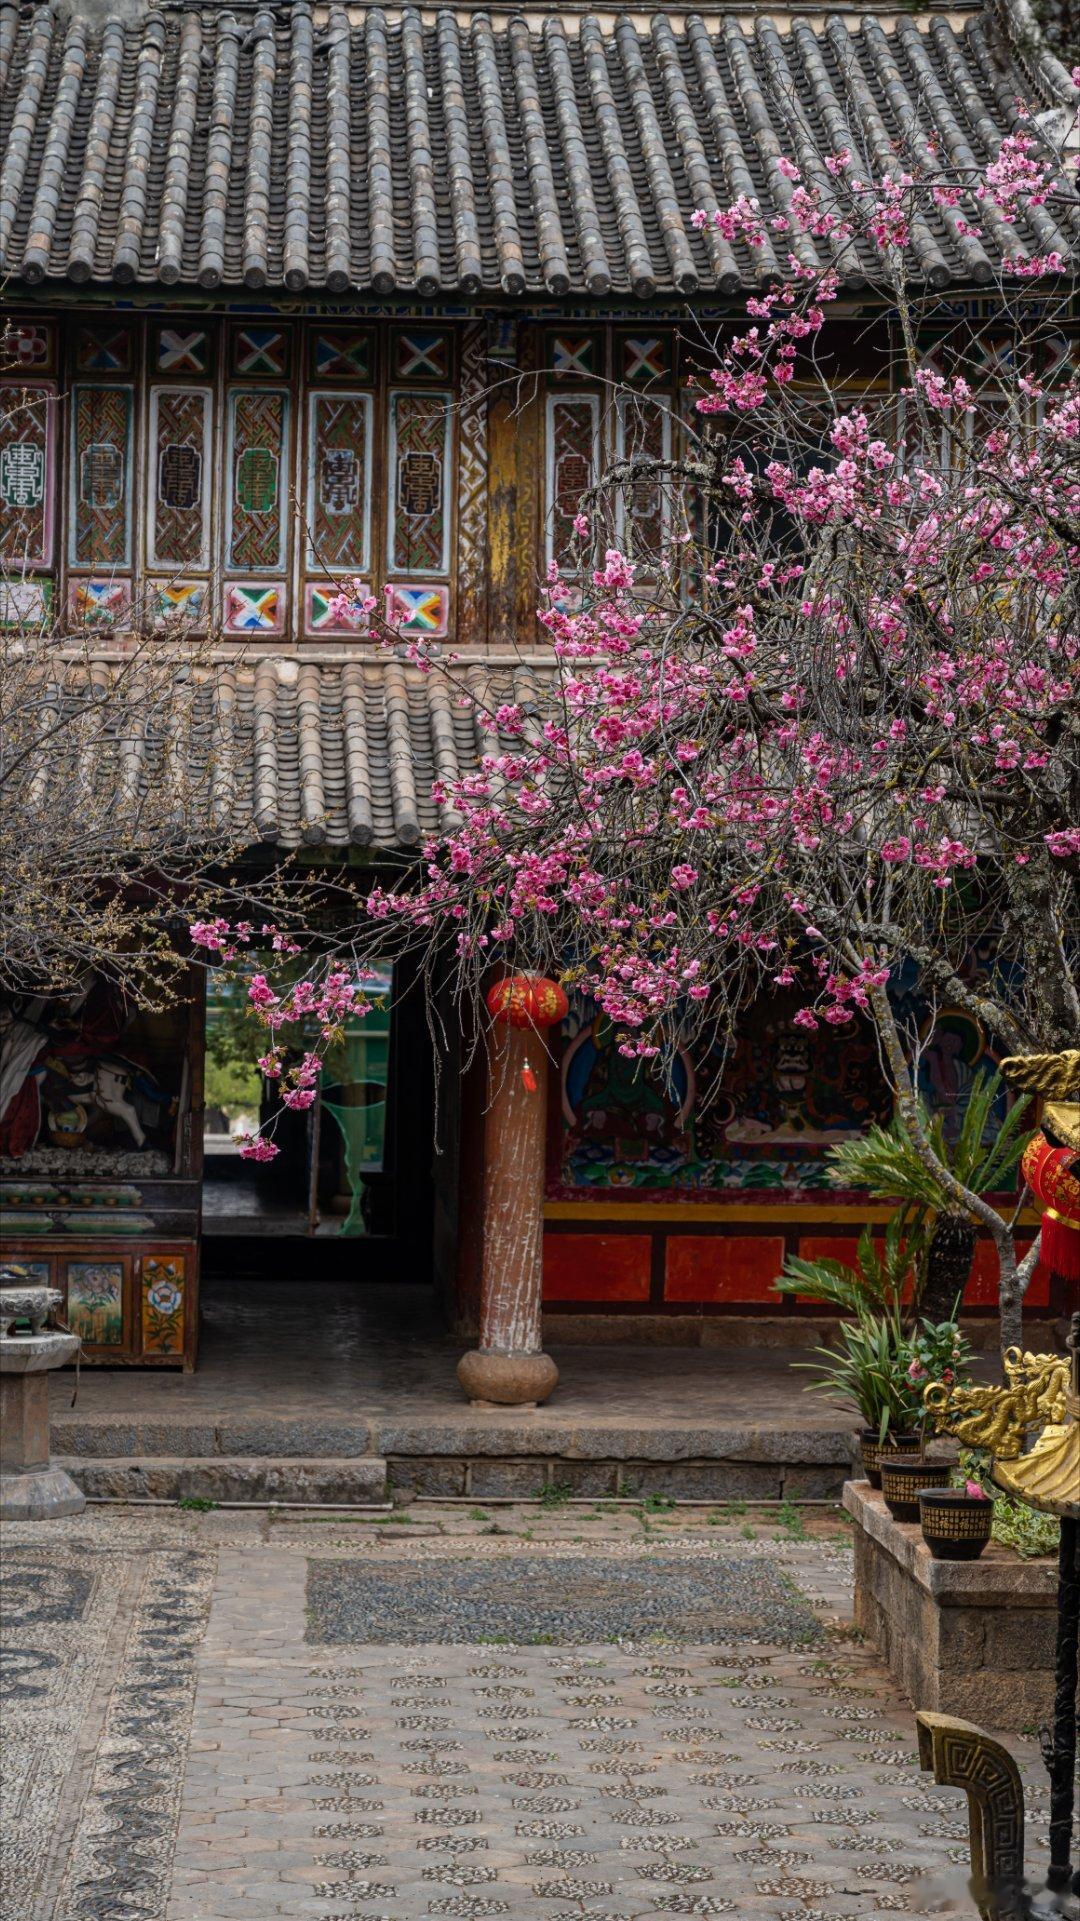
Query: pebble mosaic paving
x,y
220,1725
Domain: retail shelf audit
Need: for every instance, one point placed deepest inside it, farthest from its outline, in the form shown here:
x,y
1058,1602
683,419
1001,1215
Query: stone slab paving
x,y
246,1718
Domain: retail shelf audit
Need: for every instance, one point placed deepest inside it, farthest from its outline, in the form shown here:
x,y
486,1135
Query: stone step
x,y
349,1480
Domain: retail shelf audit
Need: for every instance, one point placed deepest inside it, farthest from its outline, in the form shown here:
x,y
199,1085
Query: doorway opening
x,y
353,1171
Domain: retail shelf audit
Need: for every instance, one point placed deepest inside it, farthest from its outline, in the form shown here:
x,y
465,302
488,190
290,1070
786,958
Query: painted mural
x,y
87,1087
758,1119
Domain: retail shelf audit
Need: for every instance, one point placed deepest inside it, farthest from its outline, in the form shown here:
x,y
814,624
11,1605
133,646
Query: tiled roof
x,y
343,755
464,153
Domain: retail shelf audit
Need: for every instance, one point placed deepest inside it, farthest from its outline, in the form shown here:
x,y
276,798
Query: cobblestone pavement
x,y
219,1717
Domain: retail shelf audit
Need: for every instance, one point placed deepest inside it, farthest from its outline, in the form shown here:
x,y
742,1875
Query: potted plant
x,y
882,1370
956,1521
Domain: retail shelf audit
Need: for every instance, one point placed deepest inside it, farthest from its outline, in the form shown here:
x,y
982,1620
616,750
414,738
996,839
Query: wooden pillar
x,y
509,1368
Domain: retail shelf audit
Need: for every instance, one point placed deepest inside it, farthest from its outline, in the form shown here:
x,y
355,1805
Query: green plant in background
x,y
888,1164
1015,1524
877,1279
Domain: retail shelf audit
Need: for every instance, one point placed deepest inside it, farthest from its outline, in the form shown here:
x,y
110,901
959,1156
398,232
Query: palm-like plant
x,y
878,1279
885,1161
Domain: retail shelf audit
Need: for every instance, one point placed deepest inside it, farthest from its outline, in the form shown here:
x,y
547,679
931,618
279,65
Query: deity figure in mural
x,y
634,1110
61,1078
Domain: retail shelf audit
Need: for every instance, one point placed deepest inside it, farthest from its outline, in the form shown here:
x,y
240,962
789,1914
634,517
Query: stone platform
x,y
971,1638
304,1390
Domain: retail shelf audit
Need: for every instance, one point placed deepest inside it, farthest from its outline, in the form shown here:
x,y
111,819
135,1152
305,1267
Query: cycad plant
x,y
886,1162
877,1281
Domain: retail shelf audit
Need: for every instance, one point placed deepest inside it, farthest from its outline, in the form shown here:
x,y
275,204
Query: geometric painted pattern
x,y
260,350
645,358
104,349
573,356
177,601
417,610
339,480
101,601
257,479
342,353
421,354
419,452
182,350
180,459
100,531
25,603
254,607
573,433
326,612
27,477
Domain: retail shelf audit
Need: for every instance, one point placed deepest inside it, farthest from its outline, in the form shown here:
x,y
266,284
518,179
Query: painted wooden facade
x,y
302,297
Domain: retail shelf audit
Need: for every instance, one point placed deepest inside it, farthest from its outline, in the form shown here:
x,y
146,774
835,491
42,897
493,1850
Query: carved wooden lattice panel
x,y
572,456
642,433
100,531
472,482
419,456
339,481
180,448
27,482
258,478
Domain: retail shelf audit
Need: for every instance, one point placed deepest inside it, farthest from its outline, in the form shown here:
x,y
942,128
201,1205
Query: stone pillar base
x,y
507,1380
42,1494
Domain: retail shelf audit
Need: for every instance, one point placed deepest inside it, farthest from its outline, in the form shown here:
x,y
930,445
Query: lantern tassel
x,y
528,1079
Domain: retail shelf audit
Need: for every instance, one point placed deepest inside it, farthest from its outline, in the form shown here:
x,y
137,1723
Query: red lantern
x,y
1049,1173
527,1000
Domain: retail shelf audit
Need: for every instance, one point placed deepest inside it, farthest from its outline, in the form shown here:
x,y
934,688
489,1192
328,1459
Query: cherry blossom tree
x,y
826,729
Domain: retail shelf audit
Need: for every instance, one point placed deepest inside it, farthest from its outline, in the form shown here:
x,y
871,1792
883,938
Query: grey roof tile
x,y
292,752
281,145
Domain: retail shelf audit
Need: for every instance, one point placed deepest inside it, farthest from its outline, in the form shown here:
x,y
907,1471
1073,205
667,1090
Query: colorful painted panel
x,y
163,1278
418,610
178,602
643,359
260,352
180,466
27,473
100,530
95,601
258,479
722,1267
574,356
642,508
573,448
756,1122
104,348
597,1267
30,347
419,534
341,353
95,1302
182,351
339,481
328,614
25,603
254,607
422,354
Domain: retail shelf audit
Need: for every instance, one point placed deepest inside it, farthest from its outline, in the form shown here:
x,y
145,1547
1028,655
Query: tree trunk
x,y
948,1267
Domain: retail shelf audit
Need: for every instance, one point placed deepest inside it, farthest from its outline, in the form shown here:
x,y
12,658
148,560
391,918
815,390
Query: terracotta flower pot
x,y
898,1447
955,1525
901,1482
